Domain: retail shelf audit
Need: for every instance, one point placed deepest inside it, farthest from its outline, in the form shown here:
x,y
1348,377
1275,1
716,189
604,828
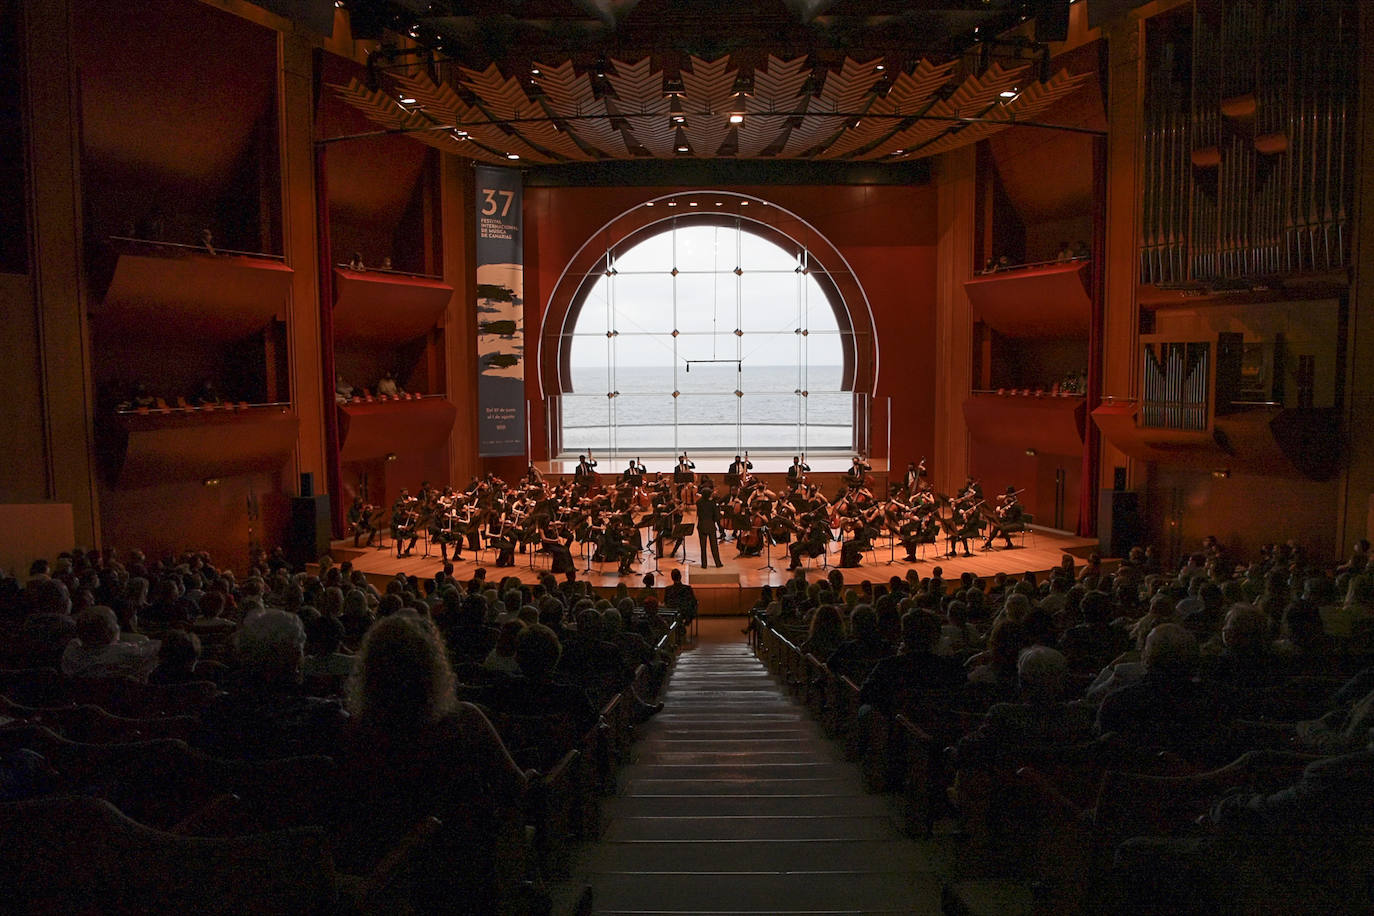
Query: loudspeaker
x,y
308,530
1119,523
1052,20
307,485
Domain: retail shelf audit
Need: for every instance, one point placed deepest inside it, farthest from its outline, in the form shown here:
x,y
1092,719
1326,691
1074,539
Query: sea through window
x,y
707,338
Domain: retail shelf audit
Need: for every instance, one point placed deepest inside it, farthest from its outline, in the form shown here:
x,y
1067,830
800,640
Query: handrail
x,y
197,248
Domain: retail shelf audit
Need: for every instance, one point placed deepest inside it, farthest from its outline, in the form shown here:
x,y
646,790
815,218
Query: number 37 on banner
x,y
490,205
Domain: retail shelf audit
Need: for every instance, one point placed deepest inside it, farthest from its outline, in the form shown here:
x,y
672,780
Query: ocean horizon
x,y
771,416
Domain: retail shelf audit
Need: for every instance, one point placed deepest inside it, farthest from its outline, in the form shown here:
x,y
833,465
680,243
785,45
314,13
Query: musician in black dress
x,y
501,535
1006,518
708,518
812,542
561,557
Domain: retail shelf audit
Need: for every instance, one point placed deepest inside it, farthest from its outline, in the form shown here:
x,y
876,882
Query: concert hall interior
x,y
860,287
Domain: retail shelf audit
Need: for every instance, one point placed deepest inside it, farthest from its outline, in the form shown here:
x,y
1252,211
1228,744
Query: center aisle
x,y
736,803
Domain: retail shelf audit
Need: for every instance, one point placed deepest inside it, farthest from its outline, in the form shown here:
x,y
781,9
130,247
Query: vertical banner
x,y
500,314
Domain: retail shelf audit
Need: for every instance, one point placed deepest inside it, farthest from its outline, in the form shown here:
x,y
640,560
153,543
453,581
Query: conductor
x,y
708,520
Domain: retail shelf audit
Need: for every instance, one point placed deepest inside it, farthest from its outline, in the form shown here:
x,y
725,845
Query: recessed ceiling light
x,y
720,203
649,204
736,119
683,149
880,68
692,204
744,203
679,119
512,155
672,203
1010,94
407,100
534,71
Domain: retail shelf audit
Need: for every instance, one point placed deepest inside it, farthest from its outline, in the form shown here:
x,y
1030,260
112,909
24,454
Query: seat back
x,y
80,854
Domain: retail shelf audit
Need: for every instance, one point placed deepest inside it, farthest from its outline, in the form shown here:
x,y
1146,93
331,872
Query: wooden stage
x,y
733,588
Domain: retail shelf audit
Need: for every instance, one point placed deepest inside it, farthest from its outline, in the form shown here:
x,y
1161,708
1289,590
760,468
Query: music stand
x,y
680,534
767,548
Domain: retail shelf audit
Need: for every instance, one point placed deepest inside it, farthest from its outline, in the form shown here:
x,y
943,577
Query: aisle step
x,y
735,802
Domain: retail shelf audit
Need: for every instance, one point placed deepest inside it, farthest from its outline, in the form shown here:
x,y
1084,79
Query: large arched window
x,y
705,336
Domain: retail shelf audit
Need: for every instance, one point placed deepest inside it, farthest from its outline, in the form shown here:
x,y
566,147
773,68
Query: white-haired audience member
x,y
98,651
265,714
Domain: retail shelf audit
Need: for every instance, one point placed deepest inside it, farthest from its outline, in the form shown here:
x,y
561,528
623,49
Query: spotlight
x,y
736,118
407,100
512,155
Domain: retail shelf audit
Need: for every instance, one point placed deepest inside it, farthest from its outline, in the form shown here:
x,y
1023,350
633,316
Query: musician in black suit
x,y
1007,519
633,475
361,521
795,472
914,475
858,470
738,468
584,470
405,529
708,519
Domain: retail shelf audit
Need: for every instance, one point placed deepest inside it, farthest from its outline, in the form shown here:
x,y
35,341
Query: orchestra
x,y
606,521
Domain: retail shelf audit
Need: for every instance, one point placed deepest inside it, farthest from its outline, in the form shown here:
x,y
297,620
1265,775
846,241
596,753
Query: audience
x,y
1155,658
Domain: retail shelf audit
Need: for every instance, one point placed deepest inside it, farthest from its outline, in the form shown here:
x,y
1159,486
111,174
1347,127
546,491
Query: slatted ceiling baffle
x,y
845,91
910,94
1033,100
779,113
504,98
777,88
569,95
972,99
384,111
708,86
475,122
640,101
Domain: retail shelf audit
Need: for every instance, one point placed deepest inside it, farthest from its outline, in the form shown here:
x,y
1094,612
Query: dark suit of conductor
x,y
708,520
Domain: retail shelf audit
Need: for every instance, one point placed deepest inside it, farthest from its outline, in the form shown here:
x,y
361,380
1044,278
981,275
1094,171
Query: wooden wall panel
x,y
1125,42
30,531
309,395
52,125
1358,484
23,477
460,320
956,180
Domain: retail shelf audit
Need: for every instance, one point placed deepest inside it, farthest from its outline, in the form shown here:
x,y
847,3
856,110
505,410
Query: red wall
x,y
886,233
